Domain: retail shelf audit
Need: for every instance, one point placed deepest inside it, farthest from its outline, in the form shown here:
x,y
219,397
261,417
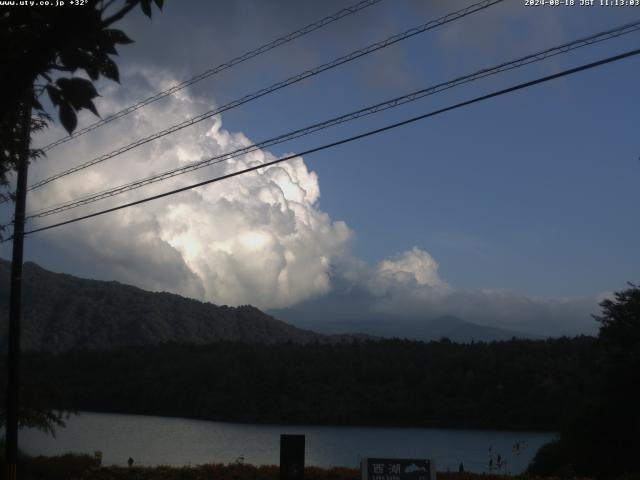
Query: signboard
x,y
397,469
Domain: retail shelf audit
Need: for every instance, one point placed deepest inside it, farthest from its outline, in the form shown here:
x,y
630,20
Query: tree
x,y
41,48
37,397
619,387
602,438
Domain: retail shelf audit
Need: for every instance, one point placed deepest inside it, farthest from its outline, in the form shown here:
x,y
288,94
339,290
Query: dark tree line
x,y
516,384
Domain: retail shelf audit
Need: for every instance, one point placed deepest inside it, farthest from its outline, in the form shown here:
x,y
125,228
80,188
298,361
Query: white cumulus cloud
x,y
414,266
258,238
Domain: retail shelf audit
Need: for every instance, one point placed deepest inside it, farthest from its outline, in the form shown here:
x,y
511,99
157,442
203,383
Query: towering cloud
x,y
259,238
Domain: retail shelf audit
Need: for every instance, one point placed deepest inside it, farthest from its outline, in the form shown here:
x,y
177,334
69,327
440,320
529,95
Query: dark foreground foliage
x,y
217,472
601,436
63,467
40,47
81,467
516,384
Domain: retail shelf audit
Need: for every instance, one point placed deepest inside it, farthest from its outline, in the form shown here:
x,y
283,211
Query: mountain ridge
x,y
62,312
313,316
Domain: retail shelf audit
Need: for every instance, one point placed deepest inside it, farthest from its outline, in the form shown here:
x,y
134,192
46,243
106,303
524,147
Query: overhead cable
x,y
346,140
276,86
212,71
392,103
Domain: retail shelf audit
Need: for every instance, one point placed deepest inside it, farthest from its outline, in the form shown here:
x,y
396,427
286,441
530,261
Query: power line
x,y
522,61
224,66
347,140
277,86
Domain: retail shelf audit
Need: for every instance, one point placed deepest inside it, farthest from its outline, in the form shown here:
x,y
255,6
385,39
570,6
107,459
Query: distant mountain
x,y
348,309
452,328
62,312
310,316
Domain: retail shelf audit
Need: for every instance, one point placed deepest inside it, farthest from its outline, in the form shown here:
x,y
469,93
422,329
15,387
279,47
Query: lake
x,y
179,441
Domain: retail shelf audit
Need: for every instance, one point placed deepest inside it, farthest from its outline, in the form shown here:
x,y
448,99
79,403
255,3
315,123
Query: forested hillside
x,y
62,312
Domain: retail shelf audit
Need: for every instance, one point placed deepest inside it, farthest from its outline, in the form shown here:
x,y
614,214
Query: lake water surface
x,y
180,441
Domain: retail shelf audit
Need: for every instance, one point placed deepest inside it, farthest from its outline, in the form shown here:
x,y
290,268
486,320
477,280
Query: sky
x,y
518,212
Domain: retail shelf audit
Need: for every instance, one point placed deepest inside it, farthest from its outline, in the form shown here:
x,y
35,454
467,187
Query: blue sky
x,y
533,193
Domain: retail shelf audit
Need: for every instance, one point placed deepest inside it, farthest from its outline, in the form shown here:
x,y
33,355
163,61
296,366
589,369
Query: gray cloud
x,y
409,285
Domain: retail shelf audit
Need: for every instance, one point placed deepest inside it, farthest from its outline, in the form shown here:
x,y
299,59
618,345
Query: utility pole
x,y
15,302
